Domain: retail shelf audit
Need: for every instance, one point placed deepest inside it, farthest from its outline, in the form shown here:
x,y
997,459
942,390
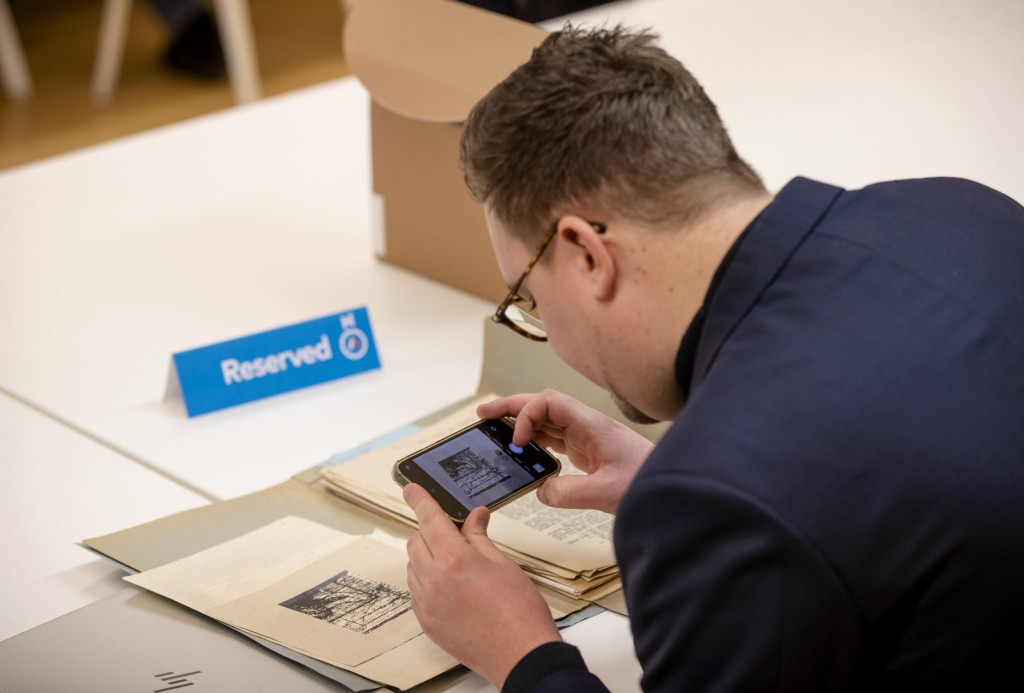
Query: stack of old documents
x,y
343,599
569,551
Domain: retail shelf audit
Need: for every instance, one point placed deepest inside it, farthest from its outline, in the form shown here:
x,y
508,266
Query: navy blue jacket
x,y
840,504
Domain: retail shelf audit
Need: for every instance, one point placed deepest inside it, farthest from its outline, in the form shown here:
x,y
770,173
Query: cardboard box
x,y
425,64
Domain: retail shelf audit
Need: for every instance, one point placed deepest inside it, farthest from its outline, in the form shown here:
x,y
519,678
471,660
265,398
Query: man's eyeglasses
x,y
517,317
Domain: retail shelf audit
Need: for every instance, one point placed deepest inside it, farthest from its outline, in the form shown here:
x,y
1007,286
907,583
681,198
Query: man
x,y
838,504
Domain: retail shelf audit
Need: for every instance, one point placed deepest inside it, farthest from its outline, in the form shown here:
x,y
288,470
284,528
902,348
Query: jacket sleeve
x,y
724,596
553,667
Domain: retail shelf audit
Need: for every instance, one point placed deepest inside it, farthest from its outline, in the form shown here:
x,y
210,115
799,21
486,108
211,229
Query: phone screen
x,y
479,465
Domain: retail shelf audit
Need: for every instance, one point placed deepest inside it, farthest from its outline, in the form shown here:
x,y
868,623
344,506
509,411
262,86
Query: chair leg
x,y
110,50
236,36
13,66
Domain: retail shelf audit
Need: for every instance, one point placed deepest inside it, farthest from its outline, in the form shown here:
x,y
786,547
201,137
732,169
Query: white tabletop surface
x,y
115,257
853,93
60,487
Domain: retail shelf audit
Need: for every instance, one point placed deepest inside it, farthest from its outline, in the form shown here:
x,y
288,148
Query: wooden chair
x,y
236,36
13,66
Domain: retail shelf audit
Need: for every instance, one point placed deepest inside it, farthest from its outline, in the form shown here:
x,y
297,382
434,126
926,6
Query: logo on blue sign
x,y
353,342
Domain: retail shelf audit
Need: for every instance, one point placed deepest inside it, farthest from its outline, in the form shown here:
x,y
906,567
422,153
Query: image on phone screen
x,y
477,466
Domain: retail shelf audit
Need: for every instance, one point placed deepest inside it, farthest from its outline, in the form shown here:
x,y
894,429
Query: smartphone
x,y
478,465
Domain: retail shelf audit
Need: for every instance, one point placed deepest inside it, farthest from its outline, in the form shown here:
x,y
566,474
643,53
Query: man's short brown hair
x,y
604,119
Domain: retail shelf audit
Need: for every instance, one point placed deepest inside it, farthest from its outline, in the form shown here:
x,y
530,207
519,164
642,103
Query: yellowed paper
x,y
579,540
266,558
344,609
243,565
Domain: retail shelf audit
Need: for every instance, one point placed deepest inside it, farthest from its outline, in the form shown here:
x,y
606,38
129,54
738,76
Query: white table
x,y
60,487
115,257
853,93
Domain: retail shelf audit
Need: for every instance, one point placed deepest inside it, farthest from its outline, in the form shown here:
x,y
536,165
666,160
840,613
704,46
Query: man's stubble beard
x,y
631,412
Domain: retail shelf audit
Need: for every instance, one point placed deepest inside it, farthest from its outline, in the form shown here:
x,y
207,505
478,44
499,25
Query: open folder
x,y
353,517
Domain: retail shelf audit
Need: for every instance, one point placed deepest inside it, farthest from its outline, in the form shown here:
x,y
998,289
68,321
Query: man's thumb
x,y
558,492
476,523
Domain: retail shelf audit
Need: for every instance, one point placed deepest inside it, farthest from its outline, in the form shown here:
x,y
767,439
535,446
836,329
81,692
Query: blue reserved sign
x,y
288,358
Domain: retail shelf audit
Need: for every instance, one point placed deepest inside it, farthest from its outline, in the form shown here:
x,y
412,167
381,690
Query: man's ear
x,y
588,253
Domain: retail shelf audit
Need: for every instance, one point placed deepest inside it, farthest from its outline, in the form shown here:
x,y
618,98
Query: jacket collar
x,y
764,249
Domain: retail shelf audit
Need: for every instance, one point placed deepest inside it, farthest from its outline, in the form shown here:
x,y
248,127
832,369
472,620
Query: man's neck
x,y
679,281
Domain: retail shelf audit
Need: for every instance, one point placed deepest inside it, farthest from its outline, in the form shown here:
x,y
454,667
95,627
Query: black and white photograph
x,y
351,601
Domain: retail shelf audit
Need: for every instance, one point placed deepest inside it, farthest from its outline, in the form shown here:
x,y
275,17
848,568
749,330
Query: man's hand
x,y
471,599
608,451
